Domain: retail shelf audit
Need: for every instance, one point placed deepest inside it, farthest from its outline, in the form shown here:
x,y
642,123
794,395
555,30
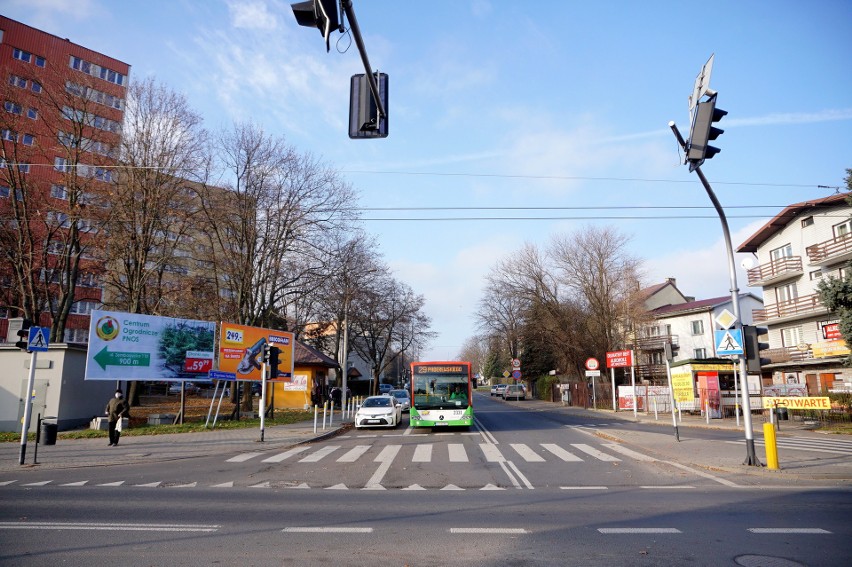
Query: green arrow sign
x,y
106,358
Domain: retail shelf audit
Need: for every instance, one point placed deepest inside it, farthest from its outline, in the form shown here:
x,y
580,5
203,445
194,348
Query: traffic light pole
x,y
751,457
28,407
359,42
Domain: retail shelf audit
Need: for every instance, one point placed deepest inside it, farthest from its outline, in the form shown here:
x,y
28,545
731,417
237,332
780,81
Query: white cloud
x,y
252,15
830,115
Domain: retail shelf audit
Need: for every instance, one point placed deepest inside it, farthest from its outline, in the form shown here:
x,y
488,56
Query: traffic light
x,y
266,352
702,131
753,346
24,335
274,361
671,351
320,14
364,120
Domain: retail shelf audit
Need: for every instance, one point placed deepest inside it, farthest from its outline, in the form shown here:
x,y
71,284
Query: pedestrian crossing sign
x,y
39,339
729,341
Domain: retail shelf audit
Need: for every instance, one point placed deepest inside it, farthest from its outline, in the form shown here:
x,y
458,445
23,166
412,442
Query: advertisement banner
x,y
130,346
241,351
801,403
682,385
830,348
619,359
298,384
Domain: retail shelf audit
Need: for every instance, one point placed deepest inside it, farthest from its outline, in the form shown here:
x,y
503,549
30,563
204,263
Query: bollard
x,y
771,446
324,410
656,417
316,412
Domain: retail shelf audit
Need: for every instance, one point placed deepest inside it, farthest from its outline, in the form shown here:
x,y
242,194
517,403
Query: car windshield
x,y
437,391
377,402
400,394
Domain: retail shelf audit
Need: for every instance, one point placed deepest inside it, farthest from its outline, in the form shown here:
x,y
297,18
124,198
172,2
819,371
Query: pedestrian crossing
x,y
452,453
830,445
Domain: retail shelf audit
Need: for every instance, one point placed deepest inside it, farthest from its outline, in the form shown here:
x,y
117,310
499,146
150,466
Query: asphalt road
x,y
525,487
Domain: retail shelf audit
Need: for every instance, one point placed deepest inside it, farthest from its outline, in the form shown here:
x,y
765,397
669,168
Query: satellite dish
x,y
747,263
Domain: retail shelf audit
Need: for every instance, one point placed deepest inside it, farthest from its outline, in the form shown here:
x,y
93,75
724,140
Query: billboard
x,y
241,351
130,346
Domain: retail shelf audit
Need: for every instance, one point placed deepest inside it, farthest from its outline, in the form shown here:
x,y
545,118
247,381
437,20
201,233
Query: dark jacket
x,y
117,408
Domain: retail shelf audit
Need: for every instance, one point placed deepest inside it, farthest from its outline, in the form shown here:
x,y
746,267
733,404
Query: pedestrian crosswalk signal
x,y
24,335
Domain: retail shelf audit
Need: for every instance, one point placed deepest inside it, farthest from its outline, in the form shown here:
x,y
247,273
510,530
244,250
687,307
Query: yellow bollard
x,y
771,446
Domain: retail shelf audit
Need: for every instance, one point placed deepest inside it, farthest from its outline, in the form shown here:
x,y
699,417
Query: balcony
x,y
804,306
650,371
786,354
837,249
657,342
774,271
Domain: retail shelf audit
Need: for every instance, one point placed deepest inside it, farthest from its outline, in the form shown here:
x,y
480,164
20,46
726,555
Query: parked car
x,y
497,389
515,391
403,397
378,411
385,388
191,389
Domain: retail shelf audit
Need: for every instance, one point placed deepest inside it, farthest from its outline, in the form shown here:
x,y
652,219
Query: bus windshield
x,y
441,391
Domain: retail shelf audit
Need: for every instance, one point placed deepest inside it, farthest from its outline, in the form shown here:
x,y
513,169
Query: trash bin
x,y
781,412
48,432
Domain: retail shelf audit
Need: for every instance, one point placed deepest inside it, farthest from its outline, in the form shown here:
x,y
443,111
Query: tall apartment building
x,y
798,248
63,106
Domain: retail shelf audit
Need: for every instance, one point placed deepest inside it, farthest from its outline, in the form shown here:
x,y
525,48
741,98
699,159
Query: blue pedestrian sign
x,y
729,341
39,339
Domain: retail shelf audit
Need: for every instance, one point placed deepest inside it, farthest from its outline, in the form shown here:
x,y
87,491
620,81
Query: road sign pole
x,y
614,401
28,407
672,398
633,385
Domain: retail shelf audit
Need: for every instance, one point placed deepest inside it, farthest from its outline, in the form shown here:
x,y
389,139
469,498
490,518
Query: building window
x,y
4,191
22,55
14,108
36,87
842,229
96,71
16,81
807,221
786,293
783,252
698,327
59,192
699,353
791,336
9,136
76,336
28,139
40,61
32,114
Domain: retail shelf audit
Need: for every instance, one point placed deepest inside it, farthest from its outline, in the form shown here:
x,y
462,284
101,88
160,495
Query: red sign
x,y
592,364
831,331
198,365
619,359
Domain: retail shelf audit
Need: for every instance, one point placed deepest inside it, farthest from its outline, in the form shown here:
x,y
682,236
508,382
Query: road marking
x,y
340,486
408,431
561,453
490,486
457,453
414,487
666,487
149,485
243,458
788,531
639,530
422,453
796,446
386,457
109,526
526,453
320,454
81,483
703,474
629,453
119,483
584,488
492,453
42,483
7,482
500,531
520,474
187,485
594,452
353,454
261,485
327,530
286,454
485,433
512,478
452,487
224,485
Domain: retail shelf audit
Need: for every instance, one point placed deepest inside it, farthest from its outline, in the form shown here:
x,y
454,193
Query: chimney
x,y
672,281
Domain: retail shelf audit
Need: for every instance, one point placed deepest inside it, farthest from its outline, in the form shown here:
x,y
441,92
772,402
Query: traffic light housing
x,y
753,346
703,131
364,119
274,361
320,14
671,350
24,335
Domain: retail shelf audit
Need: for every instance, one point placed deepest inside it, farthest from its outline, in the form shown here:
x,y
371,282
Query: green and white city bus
x,y
441,394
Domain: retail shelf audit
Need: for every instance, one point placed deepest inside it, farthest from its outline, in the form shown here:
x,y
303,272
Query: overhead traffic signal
x,y
753,346
24,335
320,14
274,361
364,118
703,131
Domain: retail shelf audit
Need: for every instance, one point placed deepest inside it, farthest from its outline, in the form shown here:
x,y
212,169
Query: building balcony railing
x,y
657,342
805,305
648,371
775,270
786,354
832,250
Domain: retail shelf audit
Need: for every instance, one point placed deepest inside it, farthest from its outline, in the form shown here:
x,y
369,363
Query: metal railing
x,y
834,247
801,305
775,268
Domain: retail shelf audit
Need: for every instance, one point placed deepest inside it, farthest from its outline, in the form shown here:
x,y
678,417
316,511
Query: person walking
x,y
116,409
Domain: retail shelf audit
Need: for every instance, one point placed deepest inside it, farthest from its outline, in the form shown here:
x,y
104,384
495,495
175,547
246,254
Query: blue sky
x,y
553,104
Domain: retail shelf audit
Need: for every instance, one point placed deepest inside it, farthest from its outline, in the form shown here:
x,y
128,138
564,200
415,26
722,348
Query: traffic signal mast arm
x,y
359,42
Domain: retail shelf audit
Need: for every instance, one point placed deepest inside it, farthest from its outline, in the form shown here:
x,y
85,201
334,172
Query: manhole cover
x,y
766,561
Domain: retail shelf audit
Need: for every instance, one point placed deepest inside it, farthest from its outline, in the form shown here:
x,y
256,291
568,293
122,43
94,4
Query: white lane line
x,y
793,447
42,483
81,483
243,458
788,531
652,487
629,452
414,487
229,484
7,482
561,453
457,453
512,478
639,530
526,453
452,487
386,457
583,488
520,474
118,483
108,526
499,531
150,485
492,453
286,454
408,431
324,452
594,452
703,474
354,453
327,530
423,453
485,433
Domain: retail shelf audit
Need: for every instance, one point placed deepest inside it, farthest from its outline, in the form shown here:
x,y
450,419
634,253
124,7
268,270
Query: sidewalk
x,y
72,453
720,455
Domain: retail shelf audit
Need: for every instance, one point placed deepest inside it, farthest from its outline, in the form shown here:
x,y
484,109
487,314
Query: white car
x,y
378,411
403,397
